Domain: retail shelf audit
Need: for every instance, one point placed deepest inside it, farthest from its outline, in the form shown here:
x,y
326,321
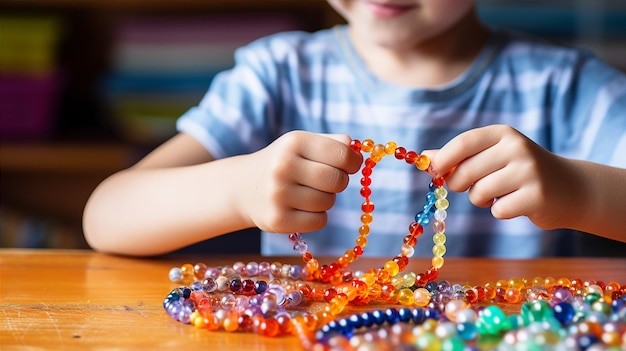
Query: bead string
x,y
436,205
283,299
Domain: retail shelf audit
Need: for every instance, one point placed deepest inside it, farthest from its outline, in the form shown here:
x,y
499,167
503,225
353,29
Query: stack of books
x,y
163,66
29,76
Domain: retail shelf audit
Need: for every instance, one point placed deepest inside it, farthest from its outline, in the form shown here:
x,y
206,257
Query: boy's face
x,y
400,24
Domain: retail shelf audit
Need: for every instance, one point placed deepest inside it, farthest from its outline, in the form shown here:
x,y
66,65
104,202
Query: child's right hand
x,y
290,184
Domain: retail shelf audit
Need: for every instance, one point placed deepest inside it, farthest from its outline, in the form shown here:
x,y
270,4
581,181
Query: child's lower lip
x,y
388,10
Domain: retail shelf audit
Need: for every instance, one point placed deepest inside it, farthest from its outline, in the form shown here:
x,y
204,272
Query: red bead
x,y
367,206
366,181
432,273
358,250
410,157
369,163
329,294
410,240
438,182
421,280
399,153
355,145
366,171
366,191
401,261
416,229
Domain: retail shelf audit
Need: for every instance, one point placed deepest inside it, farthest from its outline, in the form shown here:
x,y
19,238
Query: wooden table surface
x,y
65,299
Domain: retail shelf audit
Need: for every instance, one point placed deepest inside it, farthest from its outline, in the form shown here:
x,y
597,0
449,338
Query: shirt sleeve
x,y
590,118
234,116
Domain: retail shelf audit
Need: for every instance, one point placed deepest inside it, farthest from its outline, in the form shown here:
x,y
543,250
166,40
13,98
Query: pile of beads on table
x,y
397,310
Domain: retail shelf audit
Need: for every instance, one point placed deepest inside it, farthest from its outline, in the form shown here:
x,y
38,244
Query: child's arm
x,y
497,162
179,195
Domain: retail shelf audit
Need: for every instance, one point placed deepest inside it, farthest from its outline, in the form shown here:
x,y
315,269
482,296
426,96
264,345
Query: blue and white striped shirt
x,y
564,99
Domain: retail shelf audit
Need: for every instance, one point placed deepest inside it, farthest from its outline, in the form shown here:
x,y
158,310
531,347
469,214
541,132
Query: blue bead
x,y
431,313
260,286
379,317
393,316
432,286
367,319
405,315
356,321
418,315
345,328
333,325
564,312
466,331
186,293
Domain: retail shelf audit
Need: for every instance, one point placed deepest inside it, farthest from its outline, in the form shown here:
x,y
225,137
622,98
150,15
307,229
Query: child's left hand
x,y
505,170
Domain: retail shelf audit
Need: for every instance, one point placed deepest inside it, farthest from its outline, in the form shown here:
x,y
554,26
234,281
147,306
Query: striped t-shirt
x,y
564,99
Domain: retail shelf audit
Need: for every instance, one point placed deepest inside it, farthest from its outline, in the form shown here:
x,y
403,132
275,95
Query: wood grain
x,y
60,299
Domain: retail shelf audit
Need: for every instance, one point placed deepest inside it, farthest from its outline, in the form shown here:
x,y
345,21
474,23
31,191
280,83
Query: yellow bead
x,y
441,193
538,281
422,162
515,283
405,297
439,238
368,278
549,282
437,262
442,204
564,282
439,250
392,268
390,148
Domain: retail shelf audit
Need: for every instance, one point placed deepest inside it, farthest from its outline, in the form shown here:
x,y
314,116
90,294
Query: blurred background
x,y
87,87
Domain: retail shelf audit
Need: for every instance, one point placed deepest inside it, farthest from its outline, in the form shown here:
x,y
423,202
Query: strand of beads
x,y
582,316
386,281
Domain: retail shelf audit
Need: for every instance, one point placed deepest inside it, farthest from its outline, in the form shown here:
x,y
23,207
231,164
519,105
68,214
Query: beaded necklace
x,y
275,299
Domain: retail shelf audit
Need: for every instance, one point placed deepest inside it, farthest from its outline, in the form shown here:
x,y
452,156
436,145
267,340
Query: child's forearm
x,y
602,210
153,211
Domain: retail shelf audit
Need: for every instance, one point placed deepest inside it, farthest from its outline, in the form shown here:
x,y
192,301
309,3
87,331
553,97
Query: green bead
x,y
492,320
592,297
516,321
536,311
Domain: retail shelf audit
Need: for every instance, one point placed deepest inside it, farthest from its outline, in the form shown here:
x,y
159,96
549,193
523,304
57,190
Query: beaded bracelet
x,y
436,205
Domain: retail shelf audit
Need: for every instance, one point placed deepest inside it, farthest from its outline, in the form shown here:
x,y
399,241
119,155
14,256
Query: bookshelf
x,y
49,167
81,62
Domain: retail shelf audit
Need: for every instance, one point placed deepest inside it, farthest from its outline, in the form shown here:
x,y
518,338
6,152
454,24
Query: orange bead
x,y
367,145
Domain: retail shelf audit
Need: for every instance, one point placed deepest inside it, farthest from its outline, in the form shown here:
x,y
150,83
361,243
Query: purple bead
x,y
252,268
212,273
562,294
295,237
264,269
239,268
300,247
295,271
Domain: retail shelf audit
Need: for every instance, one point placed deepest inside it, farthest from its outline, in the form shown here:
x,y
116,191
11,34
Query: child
x,y
537,133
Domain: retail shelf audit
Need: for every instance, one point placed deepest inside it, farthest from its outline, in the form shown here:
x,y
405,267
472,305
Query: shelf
x,y
66,157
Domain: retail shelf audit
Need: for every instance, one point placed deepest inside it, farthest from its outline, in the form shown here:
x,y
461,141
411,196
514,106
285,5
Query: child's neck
x,y
432,63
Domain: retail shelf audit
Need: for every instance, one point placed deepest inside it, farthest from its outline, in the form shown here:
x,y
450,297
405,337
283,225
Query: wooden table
x,y
60,299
